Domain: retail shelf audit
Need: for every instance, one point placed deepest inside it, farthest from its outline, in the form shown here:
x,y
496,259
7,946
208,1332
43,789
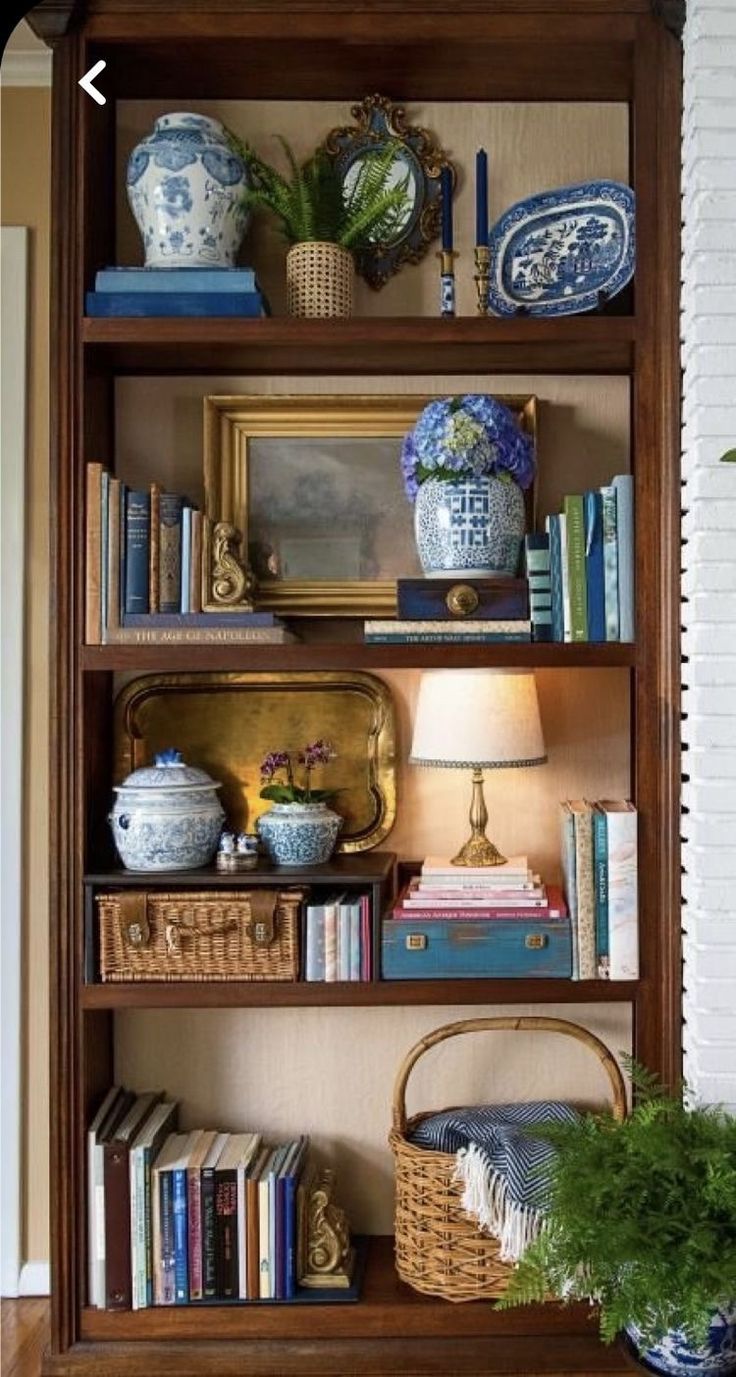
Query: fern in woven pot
x,y
326,222
641,1218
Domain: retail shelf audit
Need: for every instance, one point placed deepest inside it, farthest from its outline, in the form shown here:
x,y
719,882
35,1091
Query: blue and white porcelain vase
x,y
675,1357
299,833
185,185
472,527
167,816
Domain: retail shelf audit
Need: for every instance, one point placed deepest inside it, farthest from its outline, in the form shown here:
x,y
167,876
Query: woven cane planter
x,y
319,280
439,1250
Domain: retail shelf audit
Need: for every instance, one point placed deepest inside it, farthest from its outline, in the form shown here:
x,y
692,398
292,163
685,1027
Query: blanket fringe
x,y
486,1199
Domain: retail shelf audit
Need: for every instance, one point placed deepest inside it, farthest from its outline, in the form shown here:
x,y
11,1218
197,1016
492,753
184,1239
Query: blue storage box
x,y
445,949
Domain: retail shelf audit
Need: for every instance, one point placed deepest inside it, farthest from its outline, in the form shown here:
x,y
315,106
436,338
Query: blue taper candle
x,y
446,197
481,197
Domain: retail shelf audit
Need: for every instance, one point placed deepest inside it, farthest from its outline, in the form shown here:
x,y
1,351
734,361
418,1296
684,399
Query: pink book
x,y
553,906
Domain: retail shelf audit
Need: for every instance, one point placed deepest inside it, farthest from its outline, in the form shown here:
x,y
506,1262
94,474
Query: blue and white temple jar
x,y
167,816
473,527
185,185
299,833
675,1357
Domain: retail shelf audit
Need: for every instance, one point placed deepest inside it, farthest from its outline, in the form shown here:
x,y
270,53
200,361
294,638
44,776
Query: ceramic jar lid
x,y
169,771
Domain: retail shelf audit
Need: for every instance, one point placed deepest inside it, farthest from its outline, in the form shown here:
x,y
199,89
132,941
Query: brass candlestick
x,y
482,276
478,849
447,281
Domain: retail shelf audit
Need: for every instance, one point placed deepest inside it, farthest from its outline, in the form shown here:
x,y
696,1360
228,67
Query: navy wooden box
x,y
439,949
439,600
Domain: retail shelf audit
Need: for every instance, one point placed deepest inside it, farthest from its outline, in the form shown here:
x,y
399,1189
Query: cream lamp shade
x,y
483,719
478,719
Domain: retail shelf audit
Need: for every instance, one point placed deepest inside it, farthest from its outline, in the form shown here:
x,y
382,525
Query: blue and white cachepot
x,y
167,816
675,1357
299,833
472,527
185,185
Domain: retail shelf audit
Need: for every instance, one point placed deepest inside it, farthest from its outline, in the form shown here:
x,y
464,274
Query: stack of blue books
x,y
176,292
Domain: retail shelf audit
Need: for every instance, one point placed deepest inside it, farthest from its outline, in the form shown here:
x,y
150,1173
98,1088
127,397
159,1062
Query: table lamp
x,y
477,719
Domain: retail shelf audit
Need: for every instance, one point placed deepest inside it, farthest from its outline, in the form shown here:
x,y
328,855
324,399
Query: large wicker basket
x,y
215,935
319,280
439,1250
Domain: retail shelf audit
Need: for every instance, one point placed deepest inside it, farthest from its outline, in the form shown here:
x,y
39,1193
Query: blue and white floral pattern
x,y
185,186
675,1357
553,254
474,527
167,816
299,833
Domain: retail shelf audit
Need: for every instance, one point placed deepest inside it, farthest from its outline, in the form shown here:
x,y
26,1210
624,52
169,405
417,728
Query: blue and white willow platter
x,y
552,254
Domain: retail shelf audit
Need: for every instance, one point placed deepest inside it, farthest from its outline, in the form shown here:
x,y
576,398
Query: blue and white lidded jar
x,y
185,184
470,526
167,816
299,833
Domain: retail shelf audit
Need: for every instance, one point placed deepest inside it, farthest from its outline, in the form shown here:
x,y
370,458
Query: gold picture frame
x,y
232,426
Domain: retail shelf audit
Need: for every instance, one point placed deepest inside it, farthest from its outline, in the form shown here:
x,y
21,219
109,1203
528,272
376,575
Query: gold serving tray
x,y
227,723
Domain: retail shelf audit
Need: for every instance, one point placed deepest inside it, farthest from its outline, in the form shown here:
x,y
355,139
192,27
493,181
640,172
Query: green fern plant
x,y
641,1217
313,204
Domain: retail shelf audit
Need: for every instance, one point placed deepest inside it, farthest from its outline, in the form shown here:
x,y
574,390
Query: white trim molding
x,y
13,344
26,68
35,1279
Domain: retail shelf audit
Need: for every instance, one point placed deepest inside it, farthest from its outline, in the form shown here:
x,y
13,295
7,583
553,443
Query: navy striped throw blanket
x,y
503,1170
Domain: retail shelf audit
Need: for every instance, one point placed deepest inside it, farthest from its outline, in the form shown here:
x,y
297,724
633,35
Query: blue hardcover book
x,y
291,1181
176,280
123,552
594,566
169,621
186,558
161,304
181,1261
623,485
610,562
600,877
555,570
275,1240
137,550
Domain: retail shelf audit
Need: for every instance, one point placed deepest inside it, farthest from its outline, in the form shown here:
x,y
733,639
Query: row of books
x,y
143,570
157,292
505,892
581,570
599,861
178,1218
337,939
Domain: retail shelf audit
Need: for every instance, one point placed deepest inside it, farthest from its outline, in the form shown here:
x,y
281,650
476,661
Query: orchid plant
x,y
474,436
287,790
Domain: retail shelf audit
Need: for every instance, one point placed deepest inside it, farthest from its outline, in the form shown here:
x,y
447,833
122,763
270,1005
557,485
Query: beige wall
x,y
25,201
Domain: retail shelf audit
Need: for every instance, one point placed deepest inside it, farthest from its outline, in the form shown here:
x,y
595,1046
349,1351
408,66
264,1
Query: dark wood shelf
x,y
315,655
360,868
381,345
387,1308
276,994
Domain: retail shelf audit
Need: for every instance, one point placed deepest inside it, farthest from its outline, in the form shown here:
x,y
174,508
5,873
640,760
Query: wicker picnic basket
x,y
211,935
439,1250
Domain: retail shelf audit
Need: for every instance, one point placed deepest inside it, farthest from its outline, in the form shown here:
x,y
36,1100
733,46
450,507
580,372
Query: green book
x,y
575,518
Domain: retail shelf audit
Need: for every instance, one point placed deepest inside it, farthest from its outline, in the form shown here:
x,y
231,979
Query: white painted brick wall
x,y
709,552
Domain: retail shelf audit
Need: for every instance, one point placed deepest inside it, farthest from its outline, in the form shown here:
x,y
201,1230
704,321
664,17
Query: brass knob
x,y
461,600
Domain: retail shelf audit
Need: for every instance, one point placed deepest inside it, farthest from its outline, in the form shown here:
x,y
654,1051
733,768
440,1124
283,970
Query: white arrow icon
x,y
86,82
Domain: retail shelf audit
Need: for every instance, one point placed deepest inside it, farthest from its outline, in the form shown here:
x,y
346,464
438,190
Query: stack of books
x,y
143,573
455,612
179,1218
599,861
508,891
581,571
176,292
337,939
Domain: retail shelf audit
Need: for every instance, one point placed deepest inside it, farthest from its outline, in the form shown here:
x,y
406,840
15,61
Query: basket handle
x,y
525,1022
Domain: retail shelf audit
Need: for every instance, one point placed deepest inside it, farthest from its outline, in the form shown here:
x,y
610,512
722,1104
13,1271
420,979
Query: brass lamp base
x,y
478,850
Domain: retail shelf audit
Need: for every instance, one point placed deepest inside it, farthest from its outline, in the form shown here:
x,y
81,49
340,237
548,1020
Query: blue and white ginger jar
x,y
299,833
675,1357
185,184
167,816
473,527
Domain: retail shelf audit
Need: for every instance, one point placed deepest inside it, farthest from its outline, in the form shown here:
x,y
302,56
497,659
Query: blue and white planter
x,y
185,185
674,1356
167,816
299,833
472,527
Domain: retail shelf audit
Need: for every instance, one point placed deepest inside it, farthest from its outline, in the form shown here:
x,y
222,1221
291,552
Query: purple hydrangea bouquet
x,y
465,465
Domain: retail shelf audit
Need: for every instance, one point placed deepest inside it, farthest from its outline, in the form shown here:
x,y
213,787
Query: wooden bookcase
x,y
445,50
